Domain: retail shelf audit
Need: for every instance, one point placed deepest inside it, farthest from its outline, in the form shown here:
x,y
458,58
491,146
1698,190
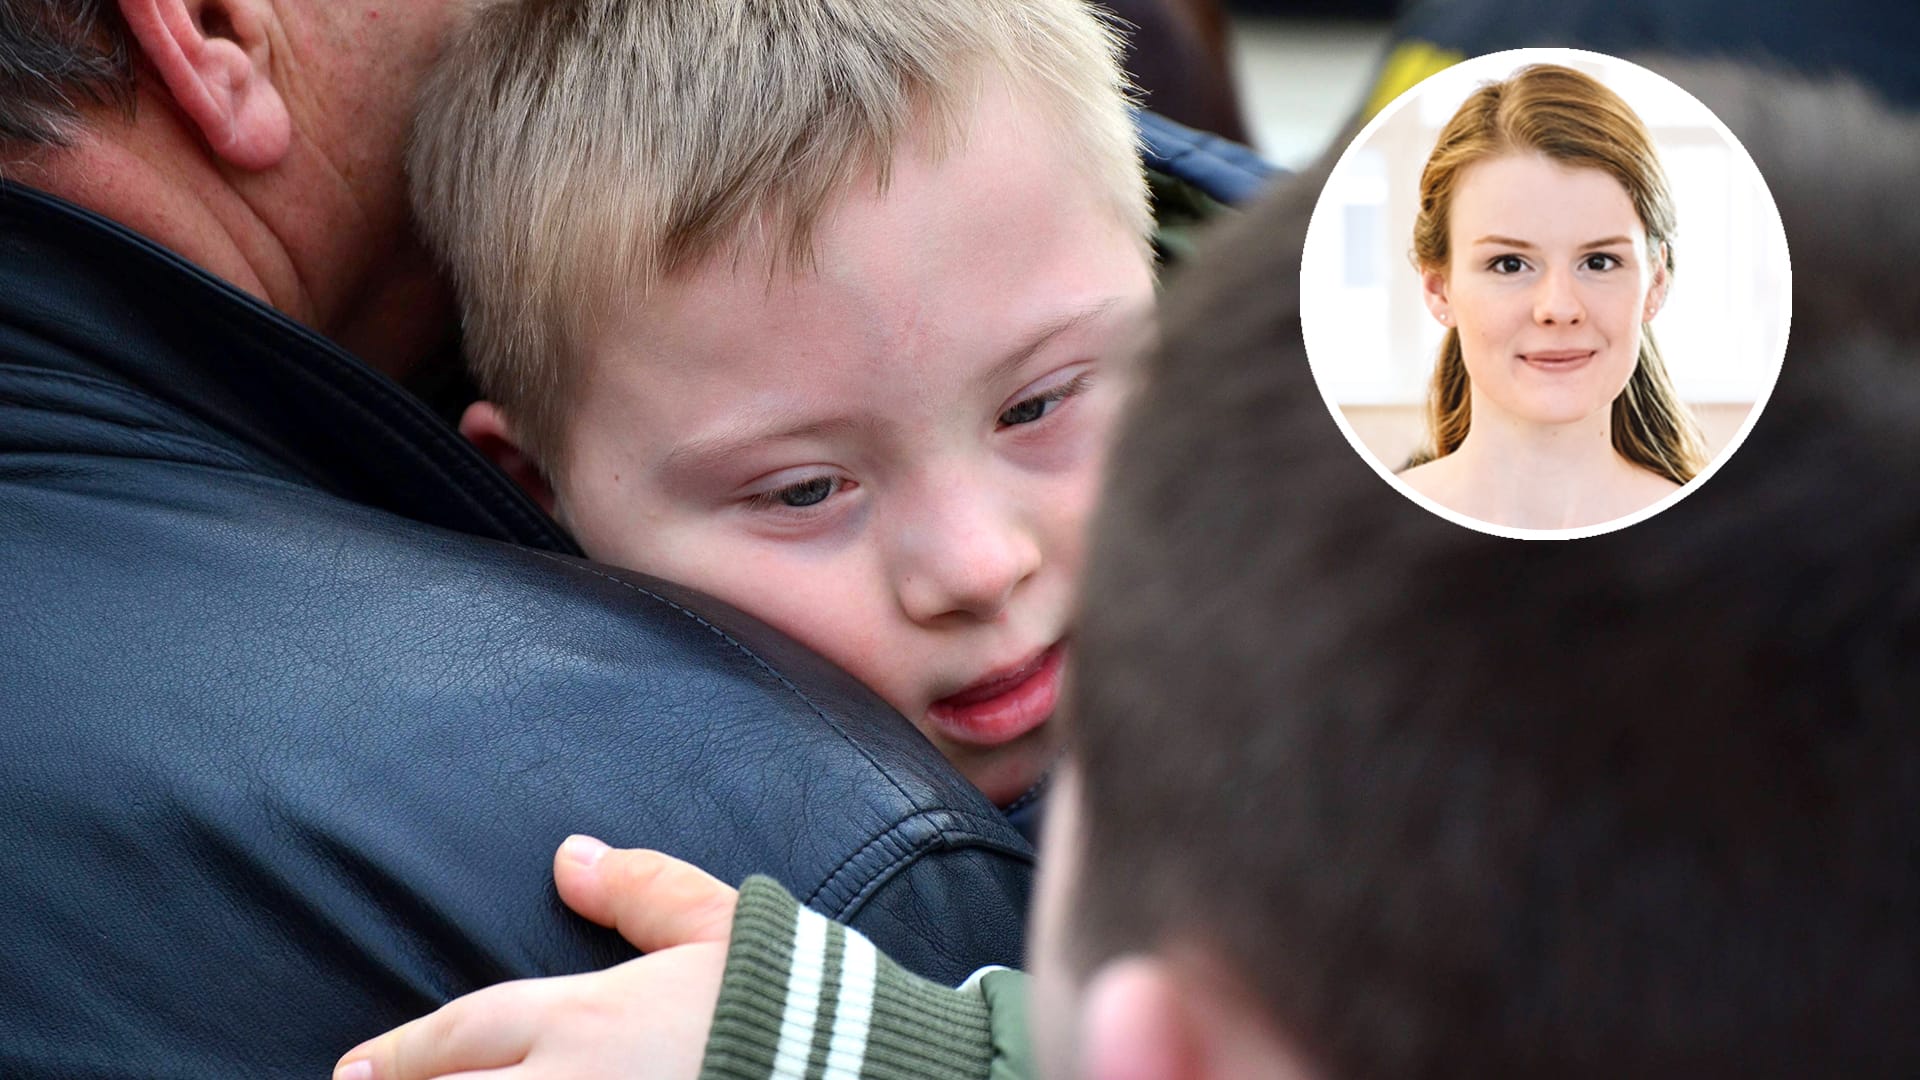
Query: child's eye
x,y
1039,405
809,492
1507,264
1601,261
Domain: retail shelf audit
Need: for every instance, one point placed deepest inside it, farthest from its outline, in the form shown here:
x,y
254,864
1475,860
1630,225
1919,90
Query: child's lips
x,y
1003,707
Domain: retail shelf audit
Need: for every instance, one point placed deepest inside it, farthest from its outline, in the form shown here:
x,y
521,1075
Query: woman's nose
x,y
1556,301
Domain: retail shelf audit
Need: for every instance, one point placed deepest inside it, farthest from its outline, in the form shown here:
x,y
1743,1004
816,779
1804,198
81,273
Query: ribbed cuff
x,y
803,998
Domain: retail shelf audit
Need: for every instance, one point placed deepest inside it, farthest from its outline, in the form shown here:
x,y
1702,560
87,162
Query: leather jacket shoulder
x,y
300,695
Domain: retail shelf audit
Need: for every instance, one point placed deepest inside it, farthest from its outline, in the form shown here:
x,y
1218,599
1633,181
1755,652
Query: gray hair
x,y
55,54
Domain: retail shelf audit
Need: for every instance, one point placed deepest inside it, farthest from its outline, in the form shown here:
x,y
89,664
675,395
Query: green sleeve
x,y
804,998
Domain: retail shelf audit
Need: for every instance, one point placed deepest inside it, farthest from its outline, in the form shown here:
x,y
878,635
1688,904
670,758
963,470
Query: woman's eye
x,y
1039,405
1507,264
1598,261
798,496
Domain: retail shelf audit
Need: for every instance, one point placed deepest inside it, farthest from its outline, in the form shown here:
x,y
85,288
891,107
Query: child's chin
x,y
1005,782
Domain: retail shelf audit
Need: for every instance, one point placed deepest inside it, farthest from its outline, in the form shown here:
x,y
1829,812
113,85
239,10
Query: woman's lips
x,y
1558,359
1002,708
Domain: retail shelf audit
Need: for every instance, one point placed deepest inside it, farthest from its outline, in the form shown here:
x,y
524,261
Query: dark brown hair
x,y
1453,805
1571,118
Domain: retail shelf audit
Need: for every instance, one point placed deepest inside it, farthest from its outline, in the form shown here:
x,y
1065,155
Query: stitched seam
x,y
1028,796
941,835
152,429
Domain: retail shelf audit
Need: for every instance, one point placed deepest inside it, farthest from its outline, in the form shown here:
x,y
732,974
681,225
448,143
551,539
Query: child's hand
x,y
646,1017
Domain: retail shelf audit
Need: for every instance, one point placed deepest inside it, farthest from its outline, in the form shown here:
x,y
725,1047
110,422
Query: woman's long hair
x,y
1570,118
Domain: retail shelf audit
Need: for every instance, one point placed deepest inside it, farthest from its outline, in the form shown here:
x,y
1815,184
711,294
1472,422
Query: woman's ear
x,y
1433,290
1657,292
213,57
488,429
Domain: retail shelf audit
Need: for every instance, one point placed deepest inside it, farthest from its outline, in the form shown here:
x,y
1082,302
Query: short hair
x,y
568,151
1447,804
55,54
1574,119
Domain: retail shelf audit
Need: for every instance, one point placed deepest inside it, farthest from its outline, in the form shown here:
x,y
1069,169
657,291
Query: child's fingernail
x,y
355,1070
584,850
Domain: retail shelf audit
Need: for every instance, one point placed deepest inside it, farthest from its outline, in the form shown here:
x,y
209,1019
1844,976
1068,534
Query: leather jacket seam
x,y
941,835
16,386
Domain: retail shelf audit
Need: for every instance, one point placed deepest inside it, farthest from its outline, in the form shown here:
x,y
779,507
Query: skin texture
x,y
1539,453
948,490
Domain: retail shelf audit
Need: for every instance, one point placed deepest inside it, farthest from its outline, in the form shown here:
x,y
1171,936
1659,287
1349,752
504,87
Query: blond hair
x,y
569,152
1574,119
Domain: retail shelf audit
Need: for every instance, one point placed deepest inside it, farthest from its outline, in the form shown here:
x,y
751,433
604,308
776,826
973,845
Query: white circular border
x,y
1507,61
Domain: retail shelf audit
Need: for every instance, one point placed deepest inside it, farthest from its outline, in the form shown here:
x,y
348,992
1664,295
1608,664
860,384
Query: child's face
x,y
1549,284
891,456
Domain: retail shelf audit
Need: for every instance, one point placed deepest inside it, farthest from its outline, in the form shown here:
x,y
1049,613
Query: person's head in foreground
x,y
808,306
1544,242
1353,792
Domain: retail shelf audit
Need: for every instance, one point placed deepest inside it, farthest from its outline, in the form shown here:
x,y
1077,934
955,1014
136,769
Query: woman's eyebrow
x,y
1508,241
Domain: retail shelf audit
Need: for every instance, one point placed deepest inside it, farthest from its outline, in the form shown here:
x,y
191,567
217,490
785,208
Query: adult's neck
x,y
296,237
1540,476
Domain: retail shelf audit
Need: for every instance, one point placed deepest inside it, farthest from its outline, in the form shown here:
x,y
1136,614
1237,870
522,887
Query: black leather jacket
x,y
298,695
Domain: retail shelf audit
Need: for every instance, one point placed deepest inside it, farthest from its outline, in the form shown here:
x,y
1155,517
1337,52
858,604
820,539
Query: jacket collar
x,y
103,303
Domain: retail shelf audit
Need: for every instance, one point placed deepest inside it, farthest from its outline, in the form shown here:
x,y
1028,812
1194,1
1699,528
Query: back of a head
x,y
1455,805
568,152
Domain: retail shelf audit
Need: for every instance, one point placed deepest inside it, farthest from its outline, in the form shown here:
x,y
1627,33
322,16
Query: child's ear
x,y
487,428
1433,290
1145,1018
214,57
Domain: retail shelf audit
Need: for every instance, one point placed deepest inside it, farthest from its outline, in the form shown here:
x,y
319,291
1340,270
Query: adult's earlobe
x,y
487,428
1135,1026
212,56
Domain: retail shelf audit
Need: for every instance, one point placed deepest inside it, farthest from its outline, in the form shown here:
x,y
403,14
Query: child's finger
x,y
487,1029
654,900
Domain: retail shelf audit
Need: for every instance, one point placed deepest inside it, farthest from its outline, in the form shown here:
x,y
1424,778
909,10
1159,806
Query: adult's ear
x,y
1145,1017
1657,293
488,429
1135,1026
1433,290
213,58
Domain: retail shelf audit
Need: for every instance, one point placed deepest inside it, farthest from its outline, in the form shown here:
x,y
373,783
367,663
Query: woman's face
x,y
1549,283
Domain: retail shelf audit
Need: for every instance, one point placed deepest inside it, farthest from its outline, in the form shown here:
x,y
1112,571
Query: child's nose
x,y
965,561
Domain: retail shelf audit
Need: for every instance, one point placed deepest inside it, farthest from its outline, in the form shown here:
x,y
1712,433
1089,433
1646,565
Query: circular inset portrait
x,y
1545,293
